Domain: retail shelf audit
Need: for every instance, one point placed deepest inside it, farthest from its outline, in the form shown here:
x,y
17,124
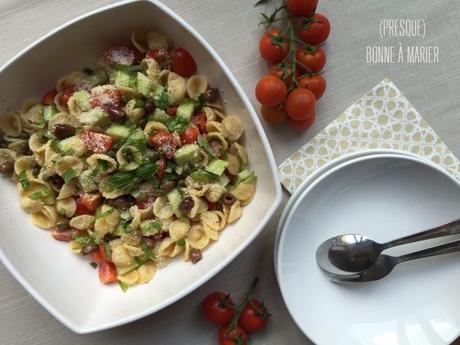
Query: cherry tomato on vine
x,y
273,47
182,62
236,336
273,115
304,124
284,74
271,91
314,59
254,316
315,30
300,104
302,8
218,308
315,83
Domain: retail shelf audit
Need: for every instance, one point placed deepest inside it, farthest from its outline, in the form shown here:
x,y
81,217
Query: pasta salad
x,y
133,162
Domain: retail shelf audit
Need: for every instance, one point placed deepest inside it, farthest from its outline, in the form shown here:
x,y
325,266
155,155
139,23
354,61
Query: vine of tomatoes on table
x,y
294,82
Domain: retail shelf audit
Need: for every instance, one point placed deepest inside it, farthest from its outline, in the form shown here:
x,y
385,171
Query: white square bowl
x,y
63,282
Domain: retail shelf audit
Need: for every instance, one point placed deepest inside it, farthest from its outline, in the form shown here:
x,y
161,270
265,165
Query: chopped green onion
x,y
205,145
177,124
181,242
124,287
146,170
23,179
40,194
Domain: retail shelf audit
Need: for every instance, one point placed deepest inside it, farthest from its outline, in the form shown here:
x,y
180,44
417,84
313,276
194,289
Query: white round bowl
x,y
382,196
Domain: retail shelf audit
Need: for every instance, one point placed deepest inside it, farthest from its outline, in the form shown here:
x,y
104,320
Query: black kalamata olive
x,y
62,130
160,236
24,149
187,169
149,106
186,204
195,255
122,202
168,185
7,168
62,224
228,199
57,182
181,183
36,171
89,248
212,94
117,115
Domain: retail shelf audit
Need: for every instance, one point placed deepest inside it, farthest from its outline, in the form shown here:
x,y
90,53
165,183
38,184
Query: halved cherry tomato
x,y
171,110
164,142
189,135
236,336
105,98
303,124
145,202
65,236
284,75
97,142
271,91
315,30
90,200
81,209
67,93
218,308
158,54
315,83
273,47
300,104
100,255
182,62
302,8
107,272
273,115
122,55
254,316
48,98
199,120
216,147
314,60
161,163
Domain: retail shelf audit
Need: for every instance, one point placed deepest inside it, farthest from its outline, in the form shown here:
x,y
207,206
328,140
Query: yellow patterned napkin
x,y
381,119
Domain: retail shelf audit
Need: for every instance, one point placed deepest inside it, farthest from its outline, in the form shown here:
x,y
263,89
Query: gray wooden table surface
x,y
230,26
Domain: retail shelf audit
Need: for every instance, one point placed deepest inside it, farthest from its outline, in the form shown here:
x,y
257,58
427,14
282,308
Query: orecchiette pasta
x,y
135,161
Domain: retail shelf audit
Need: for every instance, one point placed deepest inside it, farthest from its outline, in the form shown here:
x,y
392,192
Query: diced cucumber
x,y
174,198
187,154
159,116
123,79
185,110
203,176
217,167
150,227
119,132
144,84
82,99
94,117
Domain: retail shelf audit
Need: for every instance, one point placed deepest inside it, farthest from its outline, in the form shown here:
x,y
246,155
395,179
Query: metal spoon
x,y
354,253
385,264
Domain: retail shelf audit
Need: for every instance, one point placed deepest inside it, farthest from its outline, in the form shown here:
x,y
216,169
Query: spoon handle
x,y
439,231
446,248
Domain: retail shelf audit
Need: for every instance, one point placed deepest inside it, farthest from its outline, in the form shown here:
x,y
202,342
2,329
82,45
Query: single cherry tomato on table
x,y
273,115
273,47
302,8
107,272
285,74
48,98
97,142
315,30
235,336
182,62
122,55
200,120
164,142
90,200
310,60
271,91
300,104
189,135
303,124
218,308
315,83
254,316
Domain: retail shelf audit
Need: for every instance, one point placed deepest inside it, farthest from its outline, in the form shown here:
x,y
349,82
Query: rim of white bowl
x,y
394,154
227,260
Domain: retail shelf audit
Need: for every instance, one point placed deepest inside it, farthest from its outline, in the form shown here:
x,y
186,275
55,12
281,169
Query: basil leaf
x,y
121,180
201,175
177,124
40,194
23,179
161,98
82,239
202,142
146,170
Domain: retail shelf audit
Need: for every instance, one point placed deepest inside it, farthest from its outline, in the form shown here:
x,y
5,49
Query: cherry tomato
x,y
216,147
65,236
300,104
48,98
315,30
273,115
97,142
105,98
315,83
199,120
271,91
100,255
182,63
171,110
273,47
107,272
254,316
161,163
313,60
236,336
302,8
304,124
218,308
67,93
164,142
286,75
145,202
189,135
158,54
122,55
90,200
81,209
